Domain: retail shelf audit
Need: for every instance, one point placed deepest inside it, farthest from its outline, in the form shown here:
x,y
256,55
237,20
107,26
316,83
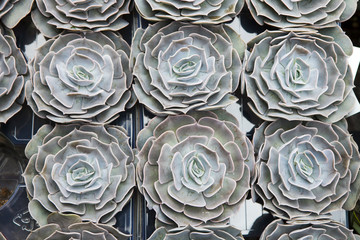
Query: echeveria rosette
x,y
194,11
13,74
80,78
300,75
87,170
51,17
12,11
300,13
194,169
315,230
180,67
71,226
216,232
306,169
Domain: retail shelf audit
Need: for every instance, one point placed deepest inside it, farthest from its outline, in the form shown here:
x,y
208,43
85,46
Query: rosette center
x,y
196,167
297,75
81,76
304,167
81,171
186,66
82,174
197,171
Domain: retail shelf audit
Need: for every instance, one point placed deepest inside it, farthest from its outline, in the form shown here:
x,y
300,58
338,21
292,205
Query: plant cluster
x,y
192,162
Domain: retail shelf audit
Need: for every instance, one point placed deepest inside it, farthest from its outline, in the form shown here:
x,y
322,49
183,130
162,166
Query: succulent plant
x,y
51,16
285,14
180,67
197,12
320,230
71,226
87,170
80,77
12,11
13,74
215,232
194,169
306,170
300,75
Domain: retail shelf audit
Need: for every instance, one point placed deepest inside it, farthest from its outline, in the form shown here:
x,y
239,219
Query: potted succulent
x,y
197,233
197,12
86,170
81,77
294,14
181,67
300,75
306,169
71,226
327,229
14,73
194,169
51,17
